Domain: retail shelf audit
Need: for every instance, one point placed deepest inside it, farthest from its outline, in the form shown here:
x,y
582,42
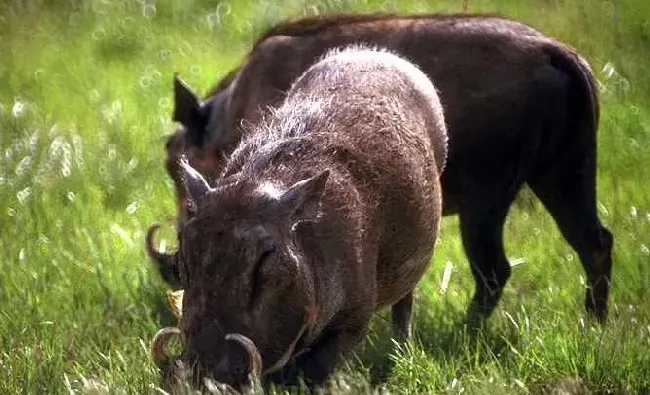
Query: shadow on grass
x,y
440,332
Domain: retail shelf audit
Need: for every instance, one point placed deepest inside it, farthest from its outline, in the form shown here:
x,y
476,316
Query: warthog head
x,y
248,295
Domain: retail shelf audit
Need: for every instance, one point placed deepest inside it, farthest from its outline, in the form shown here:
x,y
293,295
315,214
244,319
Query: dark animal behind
x,y
516,102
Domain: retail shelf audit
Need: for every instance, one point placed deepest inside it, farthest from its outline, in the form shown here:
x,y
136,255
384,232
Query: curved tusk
x,y
156,255
254,358
166,262
214,387
160,340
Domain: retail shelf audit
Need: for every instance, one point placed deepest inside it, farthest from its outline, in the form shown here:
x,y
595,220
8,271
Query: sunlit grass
x,y
85,100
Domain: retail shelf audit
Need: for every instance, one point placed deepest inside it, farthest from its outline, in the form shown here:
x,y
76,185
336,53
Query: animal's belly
x,y
396,280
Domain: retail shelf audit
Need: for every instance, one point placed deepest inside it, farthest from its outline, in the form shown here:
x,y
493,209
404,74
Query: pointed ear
x,y
187,105
302,199
195,185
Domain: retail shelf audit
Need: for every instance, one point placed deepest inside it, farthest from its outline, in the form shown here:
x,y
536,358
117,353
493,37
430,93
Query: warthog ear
x,y
195,185
187,105
303,197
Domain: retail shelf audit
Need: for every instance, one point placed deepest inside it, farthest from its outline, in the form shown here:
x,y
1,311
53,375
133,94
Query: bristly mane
x,y
304,26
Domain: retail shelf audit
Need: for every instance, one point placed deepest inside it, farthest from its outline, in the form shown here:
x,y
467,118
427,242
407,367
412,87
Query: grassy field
x,y
85,102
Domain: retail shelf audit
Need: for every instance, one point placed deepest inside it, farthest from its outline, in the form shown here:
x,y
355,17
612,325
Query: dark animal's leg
x,y
482,232
570,197
401,314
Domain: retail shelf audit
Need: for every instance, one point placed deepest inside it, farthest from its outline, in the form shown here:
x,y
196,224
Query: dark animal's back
x,y
351,23
320,24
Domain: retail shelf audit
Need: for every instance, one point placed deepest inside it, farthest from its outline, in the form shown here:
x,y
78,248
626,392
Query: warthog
x,y
520,108
326,212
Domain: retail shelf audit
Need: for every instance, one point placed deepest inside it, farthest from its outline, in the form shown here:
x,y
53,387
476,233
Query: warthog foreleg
x,y
401,315
318,363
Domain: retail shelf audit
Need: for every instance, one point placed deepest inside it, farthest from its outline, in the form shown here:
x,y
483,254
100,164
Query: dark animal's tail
x,y
584,95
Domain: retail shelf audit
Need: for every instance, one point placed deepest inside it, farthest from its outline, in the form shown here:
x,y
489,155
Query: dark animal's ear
x,y
302,199
187,105
195,185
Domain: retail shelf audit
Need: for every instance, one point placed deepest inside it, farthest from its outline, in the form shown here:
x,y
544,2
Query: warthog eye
x,y
258,271
183,269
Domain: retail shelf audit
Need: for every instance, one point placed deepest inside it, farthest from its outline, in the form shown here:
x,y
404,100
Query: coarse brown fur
x,y
328,210
520,108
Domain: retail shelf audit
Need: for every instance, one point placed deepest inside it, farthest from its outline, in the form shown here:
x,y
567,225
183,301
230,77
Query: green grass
x,y
85,100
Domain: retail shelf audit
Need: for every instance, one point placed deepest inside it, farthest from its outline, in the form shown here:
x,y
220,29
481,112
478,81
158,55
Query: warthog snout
x,y
177,369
